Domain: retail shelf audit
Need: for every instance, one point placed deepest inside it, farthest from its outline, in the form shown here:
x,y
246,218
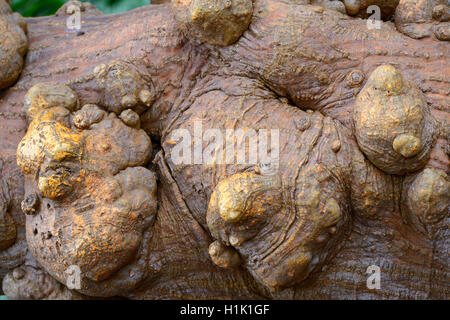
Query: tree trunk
x,y
292,58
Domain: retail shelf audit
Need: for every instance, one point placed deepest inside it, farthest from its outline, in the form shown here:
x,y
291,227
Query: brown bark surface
x,y
308,229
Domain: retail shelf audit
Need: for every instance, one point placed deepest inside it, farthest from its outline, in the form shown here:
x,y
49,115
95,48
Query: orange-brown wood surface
x,y
343,198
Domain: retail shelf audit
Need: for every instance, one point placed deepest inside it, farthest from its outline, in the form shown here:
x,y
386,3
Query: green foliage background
x,y
37,8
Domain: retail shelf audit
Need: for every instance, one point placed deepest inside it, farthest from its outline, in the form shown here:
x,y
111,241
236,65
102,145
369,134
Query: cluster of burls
x,y
424,18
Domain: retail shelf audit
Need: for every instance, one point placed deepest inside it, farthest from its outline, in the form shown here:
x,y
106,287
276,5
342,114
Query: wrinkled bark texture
x,y
89,129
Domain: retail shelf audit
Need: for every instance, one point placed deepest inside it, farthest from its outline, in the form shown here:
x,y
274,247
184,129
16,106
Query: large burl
x,y
343,128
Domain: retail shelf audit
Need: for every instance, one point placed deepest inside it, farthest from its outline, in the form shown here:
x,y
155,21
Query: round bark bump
x,y
70,7
216,22
439,11
329,4
47,95
87,116
8,231
442,32
146,97
423,18
13,45
393,124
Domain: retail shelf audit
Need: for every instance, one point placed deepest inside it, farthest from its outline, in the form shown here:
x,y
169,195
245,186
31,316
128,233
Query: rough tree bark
x,y
362,176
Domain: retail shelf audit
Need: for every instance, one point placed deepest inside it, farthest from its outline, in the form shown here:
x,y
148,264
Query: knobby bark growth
x,y
89,130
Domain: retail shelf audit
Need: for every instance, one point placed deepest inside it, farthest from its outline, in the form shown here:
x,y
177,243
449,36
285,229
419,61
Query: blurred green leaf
x,y
37,8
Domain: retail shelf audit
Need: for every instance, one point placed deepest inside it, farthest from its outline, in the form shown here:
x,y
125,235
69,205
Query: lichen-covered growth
x,y
13,44
217,22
